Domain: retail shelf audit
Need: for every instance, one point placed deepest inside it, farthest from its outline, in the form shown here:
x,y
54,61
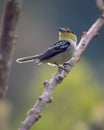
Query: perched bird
x,y
57,54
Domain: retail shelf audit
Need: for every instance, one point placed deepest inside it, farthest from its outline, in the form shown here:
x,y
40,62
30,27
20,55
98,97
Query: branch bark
x,y
7,40
34,114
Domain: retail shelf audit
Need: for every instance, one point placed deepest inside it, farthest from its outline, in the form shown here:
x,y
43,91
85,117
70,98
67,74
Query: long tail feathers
x,y
27,59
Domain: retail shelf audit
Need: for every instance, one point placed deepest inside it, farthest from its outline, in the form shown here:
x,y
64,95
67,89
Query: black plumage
x,y
58,47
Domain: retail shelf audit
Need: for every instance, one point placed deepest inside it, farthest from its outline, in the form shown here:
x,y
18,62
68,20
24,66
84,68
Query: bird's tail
x,y
28,59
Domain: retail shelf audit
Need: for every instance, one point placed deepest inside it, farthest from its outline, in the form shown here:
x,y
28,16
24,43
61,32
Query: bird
x,y
58,53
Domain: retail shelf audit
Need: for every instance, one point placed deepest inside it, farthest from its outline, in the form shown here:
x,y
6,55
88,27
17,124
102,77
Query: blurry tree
x,y
7,40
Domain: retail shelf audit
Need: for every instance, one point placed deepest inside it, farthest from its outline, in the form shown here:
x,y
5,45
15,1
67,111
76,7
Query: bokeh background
x,y
79,101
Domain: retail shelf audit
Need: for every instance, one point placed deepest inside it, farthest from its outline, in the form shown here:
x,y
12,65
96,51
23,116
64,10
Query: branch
x,y
34,114
7,40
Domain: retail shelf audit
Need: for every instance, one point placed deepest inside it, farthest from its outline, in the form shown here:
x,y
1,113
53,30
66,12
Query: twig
x,y
34,114
100,4
7,40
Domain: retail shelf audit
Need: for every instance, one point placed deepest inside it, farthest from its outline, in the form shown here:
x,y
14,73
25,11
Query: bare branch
x,y
7,40
100,5
34,113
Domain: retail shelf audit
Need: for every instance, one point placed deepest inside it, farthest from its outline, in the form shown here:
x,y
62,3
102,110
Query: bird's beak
x,y
64,29
61,29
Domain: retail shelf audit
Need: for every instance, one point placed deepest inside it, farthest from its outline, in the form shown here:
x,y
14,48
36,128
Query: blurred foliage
x,y
74,99
5,111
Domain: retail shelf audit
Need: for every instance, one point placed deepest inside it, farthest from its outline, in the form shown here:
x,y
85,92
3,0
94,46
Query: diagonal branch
x,y
34,113
7,40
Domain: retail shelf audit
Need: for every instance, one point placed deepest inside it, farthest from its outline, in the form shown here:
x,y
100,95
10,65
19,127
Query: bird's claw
x,y
62,67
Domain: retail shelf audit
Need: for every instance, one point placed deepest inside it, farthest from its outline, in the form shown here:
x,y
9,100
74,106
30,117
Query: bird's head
x,y
67,34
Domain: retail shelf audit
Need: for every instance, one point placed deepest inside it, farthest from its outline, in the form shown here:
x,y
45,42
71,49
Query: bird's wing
x,y
58,47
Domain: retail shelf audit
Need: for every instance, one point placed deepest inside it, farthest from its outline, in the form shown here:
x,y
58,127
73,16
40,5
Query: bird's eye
x,y
69,30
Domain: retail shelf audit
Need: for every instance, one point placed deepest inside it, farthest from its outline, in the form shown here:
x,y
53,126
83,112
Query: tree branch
x,y
34,114
7,40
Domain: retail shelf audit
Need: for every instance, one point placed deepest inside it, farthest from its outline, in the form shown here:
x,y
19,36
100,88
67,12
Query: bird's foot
x,y
61,67
67,63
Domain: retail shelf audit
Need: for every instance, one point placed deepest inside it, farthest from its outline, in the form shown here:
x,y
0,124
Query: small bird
x,y
58,53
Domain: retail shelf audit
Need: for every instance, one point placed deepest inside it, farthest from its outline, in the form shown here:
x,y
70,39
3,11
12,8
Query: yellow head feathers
x,y
67,34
